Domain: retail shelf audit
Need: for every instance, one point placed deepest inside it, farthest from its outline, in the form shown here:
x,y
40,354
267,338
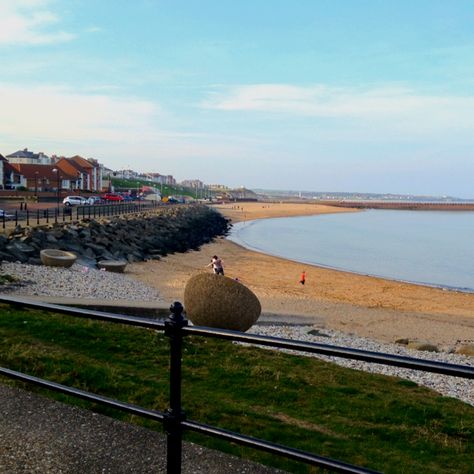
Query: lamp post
x,y
36,183
56,170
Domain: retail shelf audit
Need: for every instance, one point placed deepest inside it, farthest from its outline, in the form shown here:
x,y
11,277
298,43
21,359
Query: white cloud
x,y
57,114
113,128
402,107
29,22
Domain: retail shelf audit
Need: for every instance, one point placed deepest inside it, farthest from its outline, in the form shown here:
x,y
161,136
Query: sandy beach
x,y
380,309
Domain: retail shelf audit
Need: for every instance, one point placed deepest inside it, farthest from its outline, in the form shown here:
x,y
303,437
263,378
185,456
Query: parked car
x,y
5,215
91,200
112,197
74,201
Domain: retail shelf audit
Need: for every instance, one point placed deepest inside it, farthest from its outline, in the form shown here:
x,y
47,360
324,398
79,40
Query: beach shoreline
x,y
377,308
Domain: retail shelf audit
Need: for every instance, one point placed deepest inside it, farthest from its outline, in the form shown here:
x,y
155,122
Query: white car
x,y
93,200
74,201
5,215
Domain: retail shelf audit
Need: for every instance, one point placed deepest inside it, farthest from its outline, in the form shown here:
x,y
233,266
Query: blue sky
x,y
362,96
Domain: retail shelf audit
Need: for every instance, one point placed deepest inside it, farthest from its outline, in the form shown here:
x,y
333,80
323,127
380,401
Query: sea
x,y
434,248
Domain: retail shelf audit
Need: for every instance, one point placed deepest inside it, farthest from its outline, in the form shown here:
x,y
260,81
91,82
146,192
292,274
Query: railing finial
x,y
177,310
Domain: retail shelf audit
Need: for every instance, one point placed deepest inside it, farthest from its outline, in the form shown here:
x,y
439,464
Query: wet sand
x,y
372,307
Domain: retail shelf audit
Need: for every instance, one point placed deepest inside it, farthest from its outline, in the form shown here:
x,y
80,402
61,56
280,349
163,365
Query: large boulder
x,y
220,302
57,258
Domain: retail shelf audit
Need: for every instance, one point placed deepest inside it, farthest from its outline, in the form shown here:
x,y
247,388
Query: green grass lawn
x,y
379,422
165,189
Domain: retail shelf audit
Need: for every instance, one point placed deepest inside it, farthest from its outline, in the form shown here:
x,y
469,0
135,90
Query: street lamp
x,y
56,170
36,183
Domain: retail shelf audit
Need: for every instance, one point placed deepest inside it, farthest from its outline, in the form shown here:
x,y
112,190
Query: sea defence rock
x,y
220,302
131,238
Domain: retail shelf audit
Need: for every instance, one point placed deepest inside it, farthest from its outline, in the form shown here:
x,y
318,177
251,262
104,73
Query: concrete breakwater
x,y
132,238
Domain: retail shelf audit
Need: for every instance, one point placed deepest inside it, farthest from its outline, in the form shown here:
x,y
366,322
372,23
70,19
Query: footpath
x,y
44,436
41,435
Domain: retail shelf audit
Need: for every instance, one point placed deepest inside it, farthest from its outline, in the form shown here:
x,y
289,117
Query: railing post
x,y
174,415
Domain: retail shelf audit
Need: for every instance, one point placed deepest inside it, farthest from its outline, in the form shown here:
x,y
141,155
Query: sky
x,y
316,95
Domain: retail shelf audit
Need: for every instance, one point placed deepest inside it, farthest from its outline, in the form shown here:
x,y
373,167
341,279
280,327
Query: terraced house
x,y
88,173
39,172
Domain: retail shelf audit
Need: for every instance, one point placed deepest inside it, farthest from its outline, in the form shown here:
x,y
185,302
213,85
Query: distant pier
x,y
412,206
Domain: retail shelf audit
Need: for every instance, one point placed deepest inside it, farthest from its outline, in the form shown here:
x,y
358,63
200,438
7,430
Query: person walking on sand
x,y
216,264
303,278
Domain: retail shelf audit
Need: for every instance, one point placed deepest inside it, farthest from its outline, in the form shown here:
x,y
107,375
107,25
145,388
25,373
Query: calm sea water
x,y
433,248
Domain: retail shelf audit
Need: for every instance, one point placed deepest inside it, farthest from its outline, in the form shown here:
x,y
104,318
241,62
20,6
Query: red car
x,y
112,197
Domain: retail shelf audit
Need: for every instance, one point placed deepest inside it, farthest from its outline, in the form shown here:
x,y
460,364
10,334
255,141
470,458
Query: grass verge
x,y
380,422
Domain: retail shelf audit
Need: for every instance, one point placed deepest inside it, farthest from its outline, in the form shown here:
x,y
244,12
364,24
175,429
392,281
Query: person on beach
x,y
217,266
303,278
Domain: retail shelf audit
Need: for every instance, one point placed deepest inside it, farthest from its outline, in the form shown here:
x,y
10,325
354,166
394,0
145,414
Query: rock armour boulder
x,y
220,302
131,238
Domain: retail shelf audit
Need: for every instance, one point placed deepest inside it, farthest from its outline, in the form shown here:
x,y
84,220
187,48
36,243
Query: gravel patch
x,y
77,281
456,387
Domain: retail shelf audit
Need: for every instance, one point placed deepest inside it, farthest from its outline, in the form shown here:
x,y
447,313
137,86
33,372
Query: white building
x,y
25,157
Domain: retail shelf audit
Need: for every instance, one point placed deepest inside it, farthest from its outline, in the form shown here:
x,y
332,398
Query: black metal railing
x,y
174,418
77,213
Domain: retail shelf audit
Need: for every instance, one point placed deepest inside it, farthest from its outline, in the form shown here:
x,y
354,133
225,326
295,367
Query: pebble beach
x,y
77,281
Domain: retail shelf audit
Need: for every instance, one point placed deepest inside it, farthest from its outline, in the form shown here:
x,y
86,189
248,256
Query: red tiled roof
x,y
81,162
42,171
72,163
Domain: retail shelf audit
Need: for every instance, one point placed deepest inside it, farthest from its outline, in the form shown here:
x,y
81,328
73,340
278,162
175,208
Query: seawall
x,y
131,238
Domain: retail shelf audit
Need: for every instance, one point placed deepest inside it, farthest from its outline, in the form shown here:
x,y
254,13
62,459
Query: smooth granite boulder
x,y
116,266
220,302
57,258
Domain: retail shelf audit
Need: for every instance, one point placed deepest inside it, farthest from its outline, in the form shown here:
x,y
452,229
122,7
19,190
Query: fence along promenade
x,y
69,214
174,419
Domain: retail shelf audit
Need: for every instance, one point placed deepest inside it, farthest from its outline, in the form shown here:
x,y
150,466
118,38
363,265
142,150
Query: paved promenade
x,y
48,437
